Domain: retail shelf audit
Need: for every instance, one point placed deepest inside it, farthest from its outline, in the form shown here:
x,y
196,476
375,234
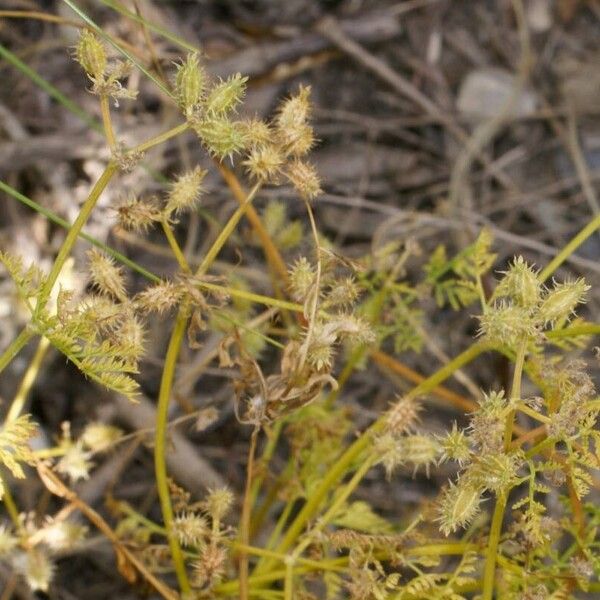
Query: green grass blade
x,y
54,218
51,90
165,33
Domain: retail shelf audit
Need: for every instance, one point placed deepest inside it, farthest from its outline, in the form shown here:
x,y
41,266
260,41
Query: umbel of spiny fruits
x,y
522,311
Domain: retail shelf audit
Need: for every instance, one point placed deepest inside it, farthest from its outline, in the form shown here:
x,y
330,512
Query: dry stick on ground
x,y
330,28
125,559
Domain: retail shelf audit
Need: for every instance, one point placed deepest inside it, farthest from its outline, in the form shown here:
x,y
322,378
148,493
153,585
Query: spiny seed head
x,y
508,324
221,137
458,507
388,452
190,82
304,178
190,529
257,132
219,502
455,446
403,415
302,277
210,567
159,298
520,284
225,96
494,472
293,132
264,163
91,55
36,568
62,535
99,437
75,463
138,215
560,302
343,292
295,110
184,191
420,450
107,277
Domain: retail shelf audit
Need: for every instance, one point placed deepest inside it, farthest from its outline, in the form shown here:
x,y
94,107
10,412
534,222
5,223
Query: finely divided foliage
x,y
514,505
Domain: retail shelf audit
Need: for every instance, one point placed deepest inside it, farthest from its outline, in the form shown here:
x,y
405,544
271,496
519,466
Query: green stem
x,y
175,248
226,232
490,561
160,440
560,258
498,517
159,139
16,407
107,122
73,234
15,347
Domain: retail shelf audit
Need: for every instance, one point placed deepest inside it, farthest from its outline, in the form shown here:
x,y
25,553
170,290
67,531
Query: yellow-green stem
x,y
15,347
160,440
175,248
107,122
159,139
226,232
560,258
73,234
498,517
494,539
245,520
18,402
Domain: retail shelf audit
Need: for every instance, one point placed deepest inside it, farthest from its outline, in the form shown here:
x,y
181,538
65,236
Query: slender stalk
x,y
160,439
15,347
226,232
498,517
9,504
175,248
245,520
159,139
494,539
74,232
258,298
16,407
107,122
560,258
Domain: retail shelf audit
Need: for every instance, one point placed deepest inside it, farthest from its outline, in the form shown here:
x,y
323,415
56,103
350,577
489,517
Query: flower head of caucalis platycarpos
x,y
305,179
521,284
75,463
301,279
222,137
91,55
225,96
191,529
264,163
106,276
218,502
190,83
455,446
184,192
159,298
458,506
294,133
508,324
560,301
138,215
402,415
98,437
36,568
